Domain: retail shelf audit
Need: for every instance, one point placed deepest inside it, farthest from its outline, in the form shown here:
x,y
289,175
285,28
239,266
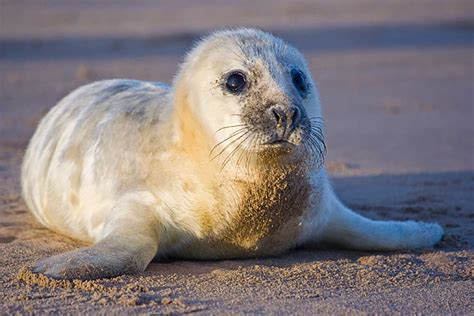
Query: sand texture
x,y
396,80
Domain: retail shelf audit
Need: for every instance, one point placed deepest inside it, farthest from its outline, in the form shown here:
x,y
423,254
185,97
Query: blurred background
x,y
395,77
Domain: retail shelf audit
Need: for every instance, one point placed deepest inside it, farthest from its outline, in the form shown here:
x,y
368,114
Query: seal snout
x,y
286,119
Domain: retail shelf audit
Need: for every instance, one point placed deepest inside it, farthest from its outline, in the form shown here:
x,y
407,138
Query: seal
x,y
228,162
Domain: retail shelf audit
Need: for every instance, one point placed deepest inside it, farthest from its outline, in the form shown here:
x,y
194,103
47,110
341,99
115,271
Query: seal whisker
x,y
320,138
235,133
253,159
236,148
241,154
233,141
240,134
232,153
239,55
248,151
317,119
250,156
230,126
315,143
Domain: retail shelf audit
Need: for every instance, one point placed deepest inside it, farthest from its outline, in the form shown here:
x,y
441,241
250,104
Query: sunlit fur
x,y
142,169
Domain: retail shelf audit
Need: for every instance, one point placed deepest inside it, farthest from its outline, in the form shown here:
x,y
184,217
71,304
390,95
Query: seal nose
x,y
287,118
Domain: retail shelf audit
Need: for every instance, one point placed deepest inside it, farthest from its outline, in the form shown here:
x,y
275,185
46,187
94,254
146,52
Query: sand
x,y
396,83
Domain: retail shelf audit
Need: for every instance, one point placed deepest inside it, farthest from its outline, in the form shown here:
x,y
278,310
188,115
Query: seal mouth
x,y
282,143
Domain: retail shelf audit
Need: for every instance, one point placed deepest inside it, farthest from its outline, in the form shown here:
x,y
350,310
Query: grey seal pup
x,y
227,162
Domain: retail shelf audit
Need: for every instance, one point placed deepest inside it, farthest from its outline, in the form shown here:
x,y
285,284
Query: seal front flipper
x,y
348,229
128,248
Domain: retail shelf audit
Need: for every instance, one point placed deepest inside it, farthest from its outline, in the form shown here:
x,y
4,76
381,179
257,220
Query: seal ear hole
x,y
299,81
235,81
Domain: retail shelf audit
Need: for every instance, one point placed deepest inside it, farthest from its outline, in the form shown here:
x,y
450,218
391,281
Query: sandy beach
x,y
396,80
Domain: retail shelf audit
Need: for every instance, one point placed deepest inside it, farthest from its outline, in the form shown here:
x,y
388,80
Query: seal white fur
x,y
126,165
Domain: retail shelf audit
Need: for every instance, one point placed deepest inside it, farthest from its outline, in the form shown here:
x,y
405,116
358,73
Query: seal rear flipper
x,y
348,229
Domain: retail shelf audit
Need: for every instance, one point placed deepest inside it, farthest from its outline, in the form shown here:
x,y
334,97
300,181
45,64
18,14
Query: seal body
x,y
113,142
225,163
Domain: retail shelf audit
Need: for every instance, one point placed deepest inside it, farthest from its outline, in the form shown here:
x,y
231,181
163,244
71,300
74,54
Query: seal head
x,y
253,93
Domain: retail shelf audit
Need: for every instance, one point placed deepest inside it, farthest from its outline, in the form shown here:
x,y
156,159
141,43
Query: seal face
x,y
265,94
225,163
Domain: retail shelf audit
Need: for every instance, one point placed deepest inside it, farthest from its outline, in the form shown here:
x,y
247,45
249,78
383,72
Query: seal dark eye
x,y
299,80
235,82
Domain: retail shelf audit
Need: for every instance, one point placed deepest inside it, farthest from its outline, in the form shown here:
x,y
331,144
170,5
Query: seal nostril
x,y
277,115
296,115
281,118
